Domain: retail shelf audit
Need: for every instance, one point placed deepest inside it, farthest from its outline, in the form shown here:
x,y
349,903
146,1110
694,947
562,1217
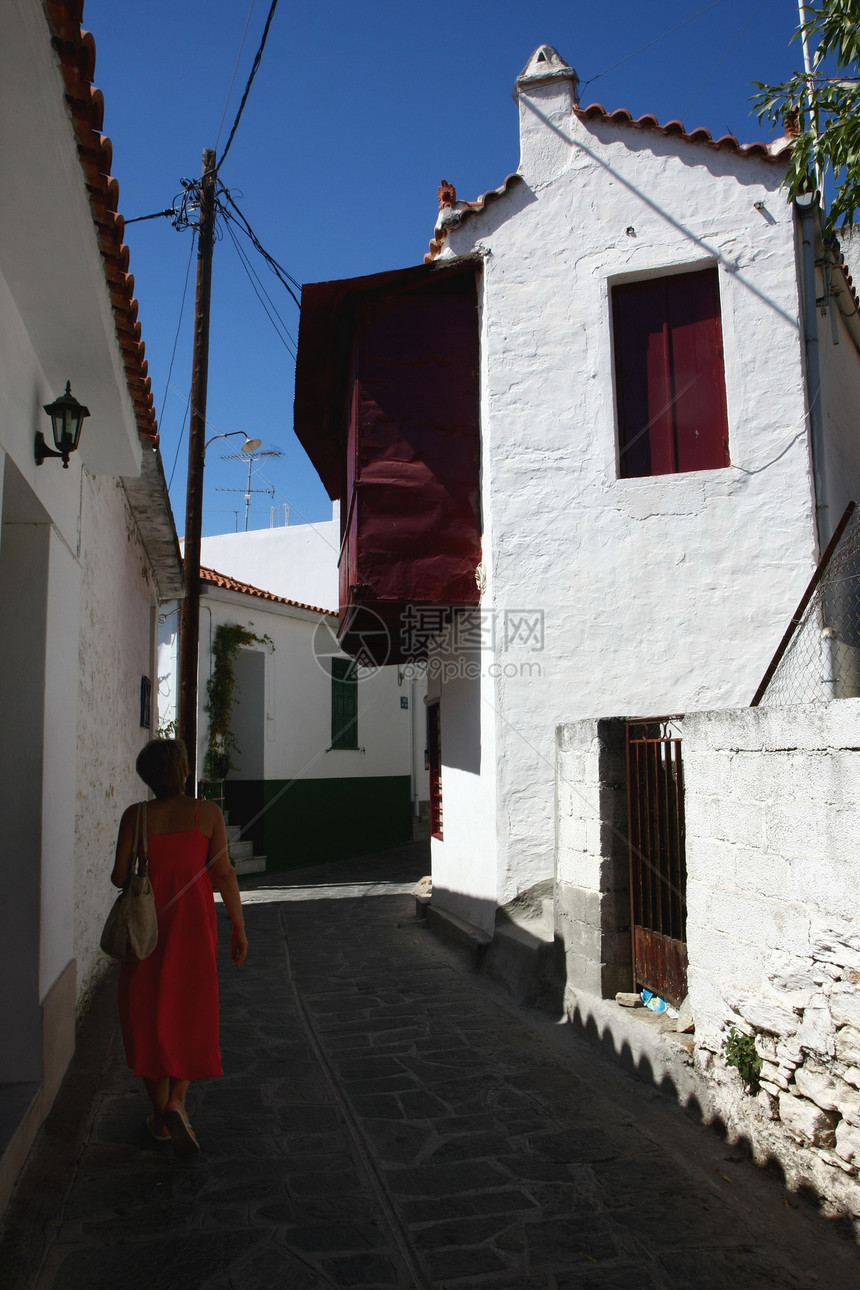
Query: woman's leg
x,y
176,1118
159,1091
176,1093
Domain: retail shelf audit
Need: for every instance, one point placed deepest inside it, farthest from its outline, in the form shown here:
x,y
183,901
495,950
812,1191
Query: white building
x,y
86,553
329,759
665,426
655,593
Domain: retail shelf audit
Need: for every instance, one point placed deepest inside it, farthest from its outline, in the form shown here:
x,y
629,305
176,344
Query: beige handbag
x,y
131,928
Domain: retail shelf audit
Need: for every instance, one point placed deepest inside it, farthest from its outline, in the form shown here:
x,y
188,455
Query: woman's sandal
x,y
181,1134
159,1137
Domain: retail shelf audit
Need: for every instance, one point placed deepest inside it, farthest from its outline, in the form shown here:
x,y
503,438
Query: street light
x,y
250,445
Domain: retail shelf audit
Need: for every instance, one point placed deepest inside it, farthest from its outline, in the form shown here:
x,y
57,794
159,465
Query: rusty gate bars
x,y
658,875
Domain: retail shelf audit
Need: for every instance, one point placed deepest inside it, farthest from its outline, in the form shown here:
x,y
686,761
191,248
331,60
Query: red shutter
x,y
701,427
670,384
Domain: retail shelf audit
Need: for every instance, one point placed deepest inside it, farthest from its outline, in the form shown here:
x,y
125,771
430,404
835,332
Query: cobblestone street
x,y
388,1119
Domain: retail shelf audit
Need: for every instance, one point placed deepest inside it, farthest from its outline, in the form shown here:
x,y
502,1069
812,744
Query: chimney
x,y
546,95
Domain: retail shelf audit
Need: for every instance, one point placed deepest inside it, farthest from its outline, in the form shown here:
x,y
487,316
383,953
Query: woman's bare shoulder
x,y
208,813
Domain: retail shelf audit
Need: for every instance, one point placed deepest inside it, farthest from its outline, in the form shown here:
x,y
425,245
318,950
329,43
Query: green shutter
x,y
344,703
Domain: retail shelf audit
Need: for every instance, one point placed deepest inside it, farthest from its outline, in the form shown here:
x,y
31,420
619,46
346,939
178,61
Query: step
x,y
240,850
529,961
251,864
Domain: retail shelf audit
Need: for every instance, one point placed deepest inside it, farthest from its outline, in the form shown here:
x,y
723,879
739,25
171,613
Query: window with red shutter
x,y
669,377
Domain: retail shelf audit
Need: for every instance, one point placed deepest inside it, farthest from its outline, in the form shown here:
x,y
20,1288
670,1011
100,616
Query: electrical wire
x,y
138,219
178,328
233,77
253,236
254,70
260,292
655,41
719,64
280,272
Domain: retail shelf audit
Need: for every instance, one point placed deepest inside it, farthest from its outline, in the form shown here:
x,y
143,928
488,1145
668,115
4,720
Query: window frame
x,y
344,704
646,371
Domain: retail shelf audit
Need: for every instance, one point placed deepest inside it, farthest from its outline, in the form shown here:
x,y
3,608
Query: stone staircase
x,y
242,853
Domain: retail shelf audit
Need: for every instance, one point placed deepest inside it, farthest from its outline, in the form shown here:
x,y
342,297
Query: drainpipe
x,y
807,207
829,662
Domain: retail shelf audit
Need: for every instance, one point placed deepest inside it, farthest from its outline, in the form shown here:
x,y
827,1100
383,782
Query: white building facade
x,y
328,759
86,553
660,587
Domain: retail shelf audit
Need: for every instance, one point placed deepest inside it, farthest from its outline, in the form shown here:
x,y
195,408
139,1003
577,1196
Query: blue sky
x,y
355,115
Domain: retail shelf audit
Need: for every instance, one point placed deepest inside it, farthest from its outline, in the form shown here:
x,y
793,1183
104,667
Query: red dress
x,y
168,1003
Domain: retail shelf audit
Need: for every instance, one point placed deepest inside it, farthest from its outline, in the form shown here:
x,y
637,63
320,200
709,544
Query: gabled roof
x,y
774,151
226,583
546,65
77,54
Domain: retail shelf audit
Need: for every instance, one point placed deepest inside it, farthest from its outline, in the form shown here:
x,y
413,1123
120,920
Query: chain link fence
x,y
820,654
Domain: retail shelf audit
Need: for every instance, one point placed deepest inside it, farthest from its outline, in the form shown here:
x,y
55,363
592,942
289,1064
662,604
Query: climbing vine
x,y
229,639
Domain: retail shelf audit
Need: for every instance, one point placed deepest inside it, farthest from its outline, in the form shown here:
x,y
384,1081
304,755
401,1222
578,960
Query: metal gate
x,y
658,869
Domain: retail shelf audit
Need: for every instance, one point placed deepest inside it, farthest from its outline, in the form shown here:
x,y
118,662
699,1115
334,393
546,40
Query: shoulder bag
x,y
131,928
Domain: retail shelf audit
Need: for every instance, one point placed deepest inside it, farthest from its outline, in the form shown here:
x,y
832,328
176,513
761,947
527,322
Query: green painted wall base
x,y
309,820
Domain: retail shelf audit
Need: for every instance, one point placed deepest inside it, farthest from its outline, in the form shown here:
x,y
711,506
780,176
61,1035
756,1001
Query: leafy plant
x,y
823,110
229,639
740,1052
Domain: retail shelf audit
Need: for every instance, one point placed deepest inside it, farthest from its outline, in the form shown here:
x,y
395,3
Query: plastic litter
x,y
656,1004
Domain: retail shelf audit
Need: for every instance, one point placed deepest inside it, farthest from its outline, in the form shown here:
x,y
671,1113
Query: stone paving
x,y
389,1120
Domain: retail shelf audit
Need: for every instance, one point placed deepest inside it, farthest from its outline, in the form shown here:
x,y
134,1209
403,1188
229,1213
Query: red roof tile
x,y
774,151
769,151
226,583
77,54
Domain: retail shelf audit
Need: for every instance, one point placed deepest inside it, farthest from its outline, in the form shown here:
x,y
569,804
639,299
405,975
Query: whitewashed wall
x,y
773,929
298,696
116,650
297,561
659,595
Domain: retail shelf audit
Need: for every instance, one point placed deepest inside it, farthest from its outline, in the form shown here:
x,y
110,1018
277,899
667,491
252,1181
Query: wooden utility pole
x,y
190,630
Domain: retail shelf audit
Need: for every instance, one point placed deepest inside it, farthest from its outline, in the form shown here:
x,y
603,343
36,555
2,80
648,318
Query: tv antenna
x,y
250,457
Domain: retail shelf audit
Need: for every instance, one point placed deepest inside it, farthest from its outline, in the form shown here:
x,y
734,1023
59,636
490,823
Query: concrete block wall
x,y
773,929
592,885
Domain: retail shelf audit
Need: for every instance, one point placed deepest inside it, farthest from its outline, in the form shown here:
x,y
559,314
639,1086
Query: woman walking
x,y
168,1002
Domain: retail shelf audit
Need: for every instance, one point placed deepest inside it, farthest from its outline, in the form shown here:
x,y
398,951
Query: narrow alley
x,y
389,1119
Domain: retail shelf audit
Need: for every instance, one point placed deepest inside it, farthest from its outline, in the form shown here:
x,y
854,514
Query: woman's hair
x,y
163,766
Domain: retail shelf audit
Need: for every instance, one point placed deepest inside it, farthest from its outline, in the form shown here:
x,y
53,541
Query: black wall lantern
x,y
67,417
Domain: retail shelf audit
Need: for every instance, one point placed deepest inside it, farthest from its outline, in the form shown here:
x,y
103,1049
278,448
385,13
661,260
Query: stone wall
x,y
773,934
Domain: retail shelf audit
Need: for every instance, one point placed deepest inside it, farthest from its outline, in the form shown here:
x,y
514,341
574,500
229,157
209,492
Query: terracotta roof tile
x,y
769,151
226,583
77,54
452,211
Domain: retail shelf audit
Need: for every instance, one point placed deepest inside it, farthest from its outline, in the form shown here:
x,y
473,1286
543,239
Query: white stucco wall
x,y
117,609
773,892
658,595
297,561
464,859
297,714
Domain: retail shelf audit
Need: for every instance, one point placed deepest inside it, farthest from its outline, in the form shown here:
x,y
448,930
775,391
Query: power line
x,y
655,41
719,64
178,329
268,304
256,65
233,77
138,219
280,272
